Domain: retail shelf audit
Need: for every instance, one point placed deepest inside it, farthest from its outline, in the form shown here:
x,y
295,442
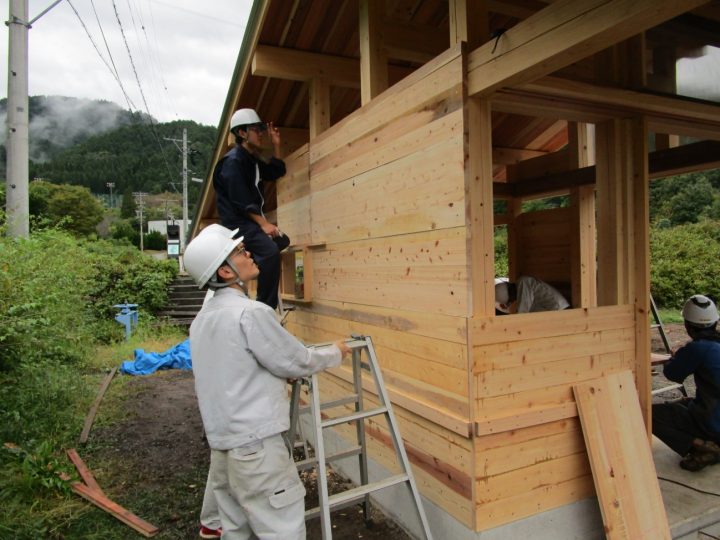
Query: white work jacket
x,y
241,359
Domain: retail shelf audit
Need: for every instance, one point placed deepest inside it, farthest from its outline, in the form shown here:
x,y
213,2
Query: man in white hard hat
x,y
691,427
242,357
239,180
531,295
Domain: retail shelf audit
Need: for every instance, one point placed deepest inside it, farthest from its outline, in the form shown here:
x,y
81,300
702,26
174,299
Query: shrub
x,y
684,261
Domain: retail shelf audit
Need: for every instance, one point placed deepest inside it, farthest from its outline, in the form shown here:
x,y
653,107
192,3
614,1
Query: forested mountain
x,y
58,122
135,157
90,143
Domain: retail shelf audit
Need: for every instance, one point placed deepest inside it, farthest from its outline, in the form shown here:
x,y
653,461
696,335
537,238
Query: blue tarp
x,y
146,363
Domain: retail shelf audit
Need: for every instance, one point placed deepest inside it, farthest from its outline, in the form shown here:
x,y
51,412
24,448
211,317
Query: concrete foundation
x,y
691,514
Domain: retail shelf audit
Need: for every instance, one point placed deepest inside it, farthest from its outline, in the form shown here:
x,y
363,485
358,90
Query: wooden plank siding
x,y
529,450
380,197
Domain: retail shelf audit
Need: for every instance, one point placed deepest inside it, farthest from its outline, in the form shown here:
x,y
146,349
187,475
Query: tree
x,y
77,204
127,208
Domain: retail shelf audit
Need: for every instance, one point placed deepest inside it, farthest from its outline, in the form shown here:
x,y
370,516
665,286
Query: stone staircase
x,y
184,301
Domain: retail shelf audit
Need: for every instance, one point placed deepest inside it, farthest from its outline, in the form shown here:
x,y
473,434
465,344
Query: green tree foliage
x,y
72,208
57,293
684,261
127,208
135,157
686,198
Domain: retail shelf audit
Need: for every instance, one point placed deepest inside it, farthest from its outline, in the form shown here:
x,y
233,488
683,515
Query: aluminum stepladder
x,y
361,493
660,359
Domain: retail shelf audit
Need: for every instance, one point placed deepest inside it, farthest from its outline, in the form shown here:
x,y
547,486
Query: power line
x,y
142,94
112,60
114,74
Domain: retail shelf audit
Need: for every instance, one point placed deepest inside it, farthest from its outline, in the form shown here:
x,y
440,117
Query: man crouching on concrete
x,y
241,360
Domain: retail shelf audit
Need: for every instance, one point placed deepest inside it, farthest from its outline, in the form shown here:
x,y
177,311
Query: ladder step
x,y
346,498
354,417
309,463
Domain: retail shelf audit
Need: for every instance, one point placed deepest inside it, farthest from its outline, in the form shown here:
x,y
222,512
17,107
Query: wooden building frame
x,y
403,122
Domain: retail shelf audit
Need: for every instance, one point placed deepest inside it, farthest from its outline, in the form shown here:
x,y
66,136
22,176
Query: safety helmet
x,y
244,117
502,293
208,251
700,311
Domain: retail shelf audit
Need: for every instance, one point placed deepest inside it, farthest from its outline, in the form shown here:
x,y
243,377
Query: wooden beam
x,y
479,207
282,63
582,204
319,106
519,9
469,22
560,34
508,156
373,63
624,102
692,157
639,243
93,410
111,507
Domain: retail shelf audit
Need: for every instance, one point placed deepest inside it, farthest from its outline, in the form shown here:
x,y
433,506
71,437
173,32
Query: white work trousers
x,y
258,492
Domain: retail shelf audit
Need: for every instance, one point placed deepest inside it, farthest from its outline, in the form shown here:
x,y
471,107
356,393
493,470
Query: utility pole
x,y
111,185
18,169
184,150
185,191
140,202
17,201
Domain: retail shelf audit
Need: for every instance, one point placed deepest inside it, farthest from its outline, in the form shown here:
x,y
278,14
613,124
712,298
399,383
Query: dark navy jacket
x,y
234,183
701,358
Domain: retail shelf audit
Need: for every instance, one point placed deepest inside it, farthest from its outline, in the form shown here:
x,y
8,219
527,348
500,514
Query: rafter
x,y
561,34
283,63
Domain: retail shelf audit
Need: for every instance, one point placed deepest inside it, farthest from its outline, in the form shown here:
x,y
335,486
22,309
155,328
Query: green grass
x,y
44,408
670,315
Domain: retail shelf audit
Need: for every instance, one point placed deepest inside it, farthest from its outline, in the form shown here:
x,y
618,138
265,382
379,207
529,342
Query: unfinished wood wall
x,y
380,198
529,451
543,245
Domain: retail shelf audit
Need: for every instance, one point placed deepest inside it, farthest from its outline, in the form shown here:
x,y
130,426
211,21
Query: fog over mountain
x,y
58,122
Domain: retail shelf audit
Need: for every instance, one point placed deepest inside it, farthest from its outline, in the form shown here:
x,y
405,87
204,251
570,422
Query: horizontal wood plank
x,y
522,326
412,93
416,272
419,192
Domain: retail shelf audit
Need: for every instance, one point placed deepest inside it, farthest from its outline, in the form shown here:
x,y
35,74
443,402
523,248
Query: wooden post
x,y
373,63
479,208
583,254
641,275
469,22
319,105
623,233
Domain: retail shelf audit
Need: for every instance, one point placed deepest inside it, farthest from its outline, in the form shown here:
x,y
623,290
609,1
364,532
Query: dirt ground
x,y
159,457
160,460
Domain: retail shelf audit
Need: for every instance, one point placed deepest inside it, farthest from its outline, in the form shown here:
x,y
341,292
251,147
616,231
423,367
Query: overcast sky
x,y
184,53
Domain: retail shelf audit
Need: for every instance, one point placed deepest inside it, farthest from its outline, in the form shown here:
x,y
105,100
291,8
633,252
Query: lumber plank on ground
x,y
621,458
84,472
93,410
101,501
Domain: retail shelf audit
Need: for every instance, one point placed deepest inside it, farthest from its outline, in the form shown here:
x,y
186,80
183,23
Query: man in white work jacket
x,y
242,357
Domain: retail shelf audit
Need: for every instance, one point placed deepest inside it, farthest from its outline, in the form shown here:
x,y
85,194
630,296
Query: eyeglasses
x,y
239,250
259,128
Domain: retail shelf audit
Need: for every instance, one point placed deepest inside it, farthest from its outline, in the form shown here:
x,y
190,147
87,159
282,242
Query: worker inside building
x,y
527,295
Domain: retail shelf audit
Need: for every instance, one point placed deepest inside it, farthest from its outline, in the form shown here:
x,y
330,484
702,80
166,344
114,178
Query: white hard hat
x,y
502,294
700,311
244,117
208,251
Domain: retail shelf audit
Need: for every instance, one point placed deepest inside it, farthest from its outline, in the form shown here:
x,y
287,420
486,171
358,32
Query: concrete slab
x,y
688,509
